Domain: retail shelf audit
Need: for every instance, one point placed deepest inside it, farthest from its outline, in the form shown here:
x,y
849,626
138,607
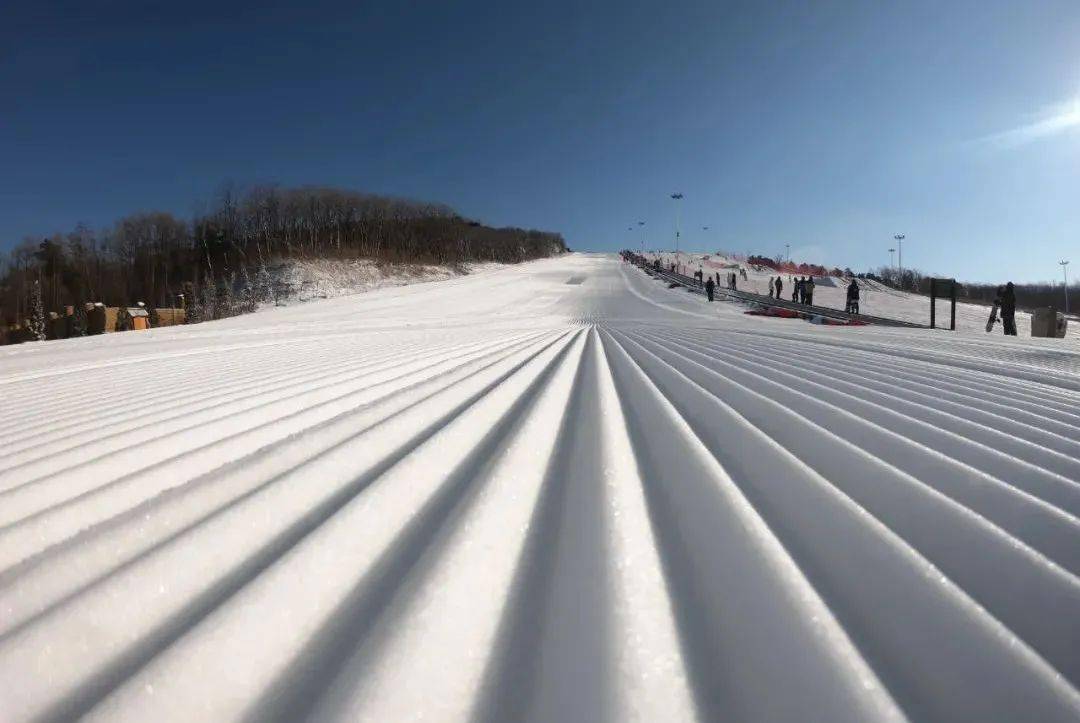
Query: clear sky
x,y
827,125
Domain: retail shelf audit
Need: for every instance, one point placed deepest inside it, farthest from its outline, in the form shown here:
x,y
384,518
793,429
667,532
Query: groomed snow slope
x,y
558,491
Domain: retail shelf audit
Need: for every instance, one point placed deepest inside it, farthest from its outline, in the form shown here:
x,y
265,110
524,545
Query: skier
x,y
808,291
853,297
1008,310
709,286
779,286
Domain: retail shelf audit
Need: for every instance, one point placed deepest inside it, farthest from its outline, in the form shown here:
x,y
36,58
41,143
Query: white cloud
x,y
1052,121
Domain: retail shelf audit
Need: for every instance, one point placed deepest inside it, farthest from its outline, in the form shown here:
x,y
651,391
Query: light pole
x,y
1065,272
892,258
900,252
787,252
641,225
676,197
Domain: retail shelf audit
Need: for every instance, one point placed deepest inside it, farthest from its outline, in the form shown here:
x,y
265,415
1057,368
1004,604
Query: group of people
x,y
802,291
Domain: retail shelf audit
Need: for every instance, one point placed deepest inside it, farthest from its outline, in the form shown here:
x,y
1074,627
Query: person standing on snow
x,y
795,290
1008,310
808,291
853,297
779,287
709,287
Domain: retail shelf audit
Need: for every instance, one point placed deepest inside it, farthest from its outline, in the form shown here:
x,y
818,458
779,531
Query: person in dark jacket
x,y
1008,310
779,286
795,290
853,297
709,287
808,291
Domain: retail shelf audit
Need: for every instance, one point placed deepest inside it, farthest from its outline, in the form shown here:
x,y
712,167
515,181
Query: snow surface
x,y
553,491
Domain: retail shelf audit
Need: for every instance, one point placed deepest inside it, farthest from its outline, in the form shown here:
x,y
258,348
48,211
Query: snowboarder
x,y
1008,310
994,310
808,291
709,287
853,297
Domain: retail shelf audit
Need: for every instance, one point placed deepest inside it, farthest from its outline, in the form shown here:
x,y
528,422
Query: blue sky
x,y
827,125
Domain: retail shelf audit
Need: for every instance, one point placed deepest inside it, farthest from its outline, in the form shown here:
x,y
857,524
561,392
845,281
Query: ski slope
x,y
555,491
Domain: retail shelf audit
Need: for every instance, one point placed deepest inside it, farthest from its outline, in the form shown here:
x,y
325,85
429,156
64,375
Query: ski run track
x,y
552,492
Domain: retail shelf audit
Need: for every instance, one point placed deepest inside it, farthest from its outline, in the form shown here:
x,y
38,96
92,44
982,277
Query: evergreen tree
x,y
37,313
79,321
264,284
226,301
249,302
208,300
194,310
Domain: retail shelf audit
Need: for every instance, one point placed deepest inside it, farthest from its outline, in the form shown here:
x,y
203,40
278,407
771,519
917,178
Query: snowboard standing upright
x,y
993,316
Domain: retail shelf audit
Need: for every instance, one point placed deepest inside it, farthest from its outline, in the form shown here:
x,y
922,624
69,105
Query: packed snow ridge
x,y
553,491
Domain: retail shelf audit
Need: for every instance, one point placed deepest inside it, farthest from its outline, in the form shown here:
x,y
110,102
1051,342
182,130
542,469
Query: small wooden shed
x,y
167,317
132,318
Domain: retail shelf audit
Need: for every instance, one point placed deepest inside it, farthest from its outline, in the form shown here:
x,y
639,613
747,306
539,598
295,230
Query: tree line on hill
x,y
1028,296
219,259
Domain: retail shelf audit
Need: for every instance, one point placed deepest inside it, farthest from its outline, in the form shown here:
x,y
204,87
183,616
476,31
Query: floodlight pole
x,y
900,252
641,225
787,252
676,197
892,258
1065,272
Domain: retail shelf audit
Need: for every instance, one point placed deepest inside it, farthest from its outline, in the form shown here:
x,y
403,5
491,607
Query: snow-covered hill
x,y
307,279
555,491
